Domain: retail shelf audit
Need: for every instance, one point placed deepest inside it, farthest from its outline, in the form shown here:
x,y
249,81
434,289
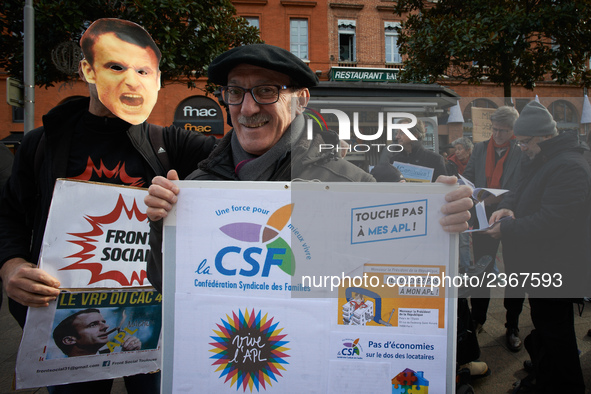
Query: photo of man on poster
x,y
86,332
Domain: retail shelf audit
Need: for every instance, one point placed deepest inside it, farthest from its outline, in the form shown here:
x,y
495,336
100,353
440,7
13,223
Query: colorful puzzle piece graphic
x,y
418,390
410,382
407,377
399,389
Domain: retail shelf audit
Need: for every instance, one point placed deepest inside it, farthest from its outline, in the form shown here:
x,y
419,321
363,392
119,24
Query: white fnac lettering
x,y
199,112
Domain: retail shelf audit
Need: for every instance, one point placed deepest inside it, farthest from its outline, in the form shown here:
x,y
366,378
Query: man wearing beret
x,y
262,84
545,233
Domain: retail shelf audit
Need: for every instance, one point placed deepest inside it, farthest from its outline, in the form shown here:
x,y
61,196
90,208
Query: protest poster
x,y
104,242
266,267
413,172
481,124
97,254
94,335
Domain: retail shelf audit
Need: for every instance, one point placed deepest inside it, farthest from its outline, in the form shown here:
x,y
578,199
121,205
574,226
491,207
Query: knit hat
x,y
265,56
534,120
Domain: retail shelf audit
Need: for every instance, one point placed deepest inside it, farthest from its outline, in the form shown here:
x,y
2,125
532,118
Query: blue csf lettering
x,y
220,256
249,257
271,260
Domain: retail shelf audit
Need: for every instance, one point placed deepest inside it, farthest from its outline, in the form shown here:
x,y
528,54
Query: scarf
x,y
460,164
492,170
249,167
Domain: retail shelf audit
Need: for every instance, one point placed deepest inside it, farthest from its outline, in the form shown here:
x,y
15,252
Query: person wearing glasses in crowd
x,y
545,232
266,90
495,164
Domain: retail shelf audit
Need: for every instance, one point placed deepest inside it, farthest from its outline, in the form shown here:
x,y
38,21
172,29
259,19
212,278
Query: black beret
x,y
265,56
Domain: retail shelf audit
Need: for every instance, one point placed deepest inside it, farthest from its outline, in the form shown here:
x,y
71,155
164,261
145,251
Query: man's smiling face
x,y
126,76
259,127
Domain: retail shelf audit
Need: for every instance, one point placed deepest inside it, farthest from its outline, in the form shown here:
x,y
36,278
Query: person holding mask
x,y
103,138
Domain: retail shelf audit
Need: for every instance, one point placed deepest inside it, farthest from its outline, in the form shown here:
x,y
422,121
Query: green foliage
x,y
511,41
189,33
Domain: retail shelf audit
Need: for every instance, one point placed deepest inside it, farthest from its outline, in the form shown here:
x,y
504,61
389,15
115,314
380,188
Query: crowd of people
x,y
546,211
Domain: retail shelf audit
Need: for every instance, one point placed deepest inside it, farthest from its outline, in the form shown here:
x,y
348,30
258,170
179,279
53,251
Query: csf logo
x,y
351,349
249,262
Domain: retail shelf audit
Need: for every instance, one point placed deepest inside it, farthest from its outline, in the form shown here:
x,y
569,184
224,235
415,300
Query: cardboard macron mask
x,y
122,60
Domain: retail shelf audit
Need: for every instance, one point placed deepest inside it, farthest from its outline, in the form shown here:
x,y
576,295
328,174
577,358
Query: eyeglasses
x,y
525,142
262,94
495,130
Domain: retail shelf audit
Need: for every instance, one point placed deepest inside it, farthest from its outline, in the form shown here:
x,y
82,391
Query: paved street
x,y
506,365
10,337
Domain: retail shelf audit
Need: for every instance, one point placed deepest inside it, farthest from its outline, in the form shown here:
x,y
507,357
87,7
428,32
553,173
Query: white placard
x,y
96,245
96,236
84,336
234,250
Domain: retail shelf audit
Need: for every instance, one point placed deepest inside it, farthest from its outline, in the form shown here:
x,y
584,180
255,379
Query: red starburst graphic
x,y
103,172
87,240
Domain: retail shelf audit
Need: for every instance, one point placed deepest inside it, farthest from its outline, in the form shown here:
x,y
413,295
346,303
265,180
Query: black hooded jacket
x,y
551,230
25,202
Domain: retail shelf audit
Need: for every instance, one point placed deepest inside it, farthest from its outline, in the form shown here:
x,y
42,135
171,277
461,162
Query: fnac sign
x,y
200,114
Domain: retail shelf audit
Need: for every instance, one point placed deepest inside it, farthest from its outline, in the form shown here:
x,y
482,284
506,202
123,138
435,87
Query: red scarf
x,y
493,171
460,164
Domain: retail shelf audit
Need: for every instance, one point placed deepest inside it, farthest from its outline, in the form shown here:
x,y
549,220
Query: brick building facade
x,y
335,38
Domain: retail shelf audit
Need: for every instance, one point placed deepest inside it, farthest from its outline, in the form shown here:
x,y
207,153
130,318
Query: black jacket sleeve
x,y
187,148
20,204
6,160
154,267
439,168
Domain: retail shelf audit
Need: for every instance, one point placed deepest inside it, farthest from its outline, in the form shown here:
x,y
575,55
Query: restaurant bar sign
x,y
351,74
200,114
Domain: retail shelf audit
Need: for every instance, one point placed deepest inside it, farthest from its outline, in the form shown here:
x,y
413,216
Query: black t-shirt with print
x,y
102,152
